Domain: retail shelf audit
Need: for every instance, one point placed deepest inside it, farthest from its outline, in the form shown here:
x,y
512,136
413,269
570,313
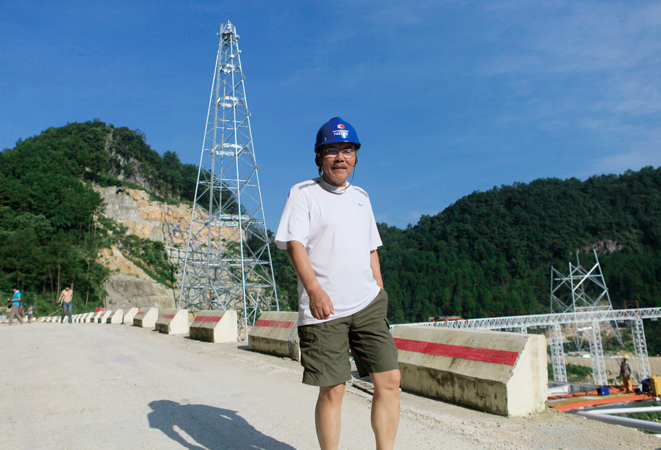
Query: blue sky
x,y
448,97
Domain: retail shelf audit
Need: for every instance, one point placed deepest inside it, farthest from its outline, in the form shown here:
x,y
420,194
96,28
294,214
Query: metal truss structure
x,y
558,355
581,290
640,349
556,321
228,260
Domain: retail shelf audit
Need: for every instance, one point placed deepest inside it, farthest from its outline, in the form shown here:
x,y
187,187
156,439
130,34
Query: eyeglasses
x,y
333,152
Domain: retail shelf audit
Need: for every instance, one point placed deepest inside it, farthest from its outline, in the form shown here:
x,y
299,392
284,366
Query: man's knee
x,y
332,394
386,380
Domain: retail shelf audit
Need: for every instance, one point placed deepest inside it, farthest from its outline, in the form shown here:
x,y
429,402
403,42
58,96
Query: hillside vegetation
x,y
489,254
50,228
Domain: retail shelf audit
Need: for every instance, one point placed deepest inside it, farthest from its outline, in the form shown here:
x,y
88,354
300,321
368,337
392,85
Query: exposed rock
x,y
158,221
125,291
113,259
604,247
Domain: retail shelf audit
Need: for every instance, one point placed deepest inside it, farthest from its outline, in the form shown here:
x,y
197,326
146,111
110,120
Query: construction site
x,y
214,362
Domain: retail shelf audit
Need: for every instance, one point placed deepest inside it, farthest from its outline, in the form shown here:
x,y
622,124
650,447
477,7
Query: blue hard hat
x,y
336,130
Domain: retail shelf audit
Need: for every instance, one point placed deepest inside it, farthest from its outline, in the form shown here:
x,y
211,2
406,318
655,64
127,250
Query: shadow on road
x,y
202,427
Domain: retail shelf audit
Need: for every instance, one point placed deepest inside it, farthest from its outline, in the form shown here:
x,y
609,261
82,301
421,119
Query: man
x,y
15,304
65,299
625,373
329,232
30,313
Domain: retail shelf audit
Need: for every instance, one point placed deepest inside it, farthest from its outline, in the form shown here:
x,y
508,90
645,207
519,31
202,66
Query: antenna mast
x,y
228,260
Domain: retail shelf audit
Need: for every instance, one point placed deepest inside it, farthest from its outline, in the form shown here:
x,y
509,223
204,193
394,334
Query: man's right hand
x,y
321,305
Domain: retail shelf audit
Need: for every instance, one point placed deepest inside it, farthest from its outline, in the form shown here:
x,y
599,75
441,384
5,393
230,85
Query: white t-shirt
x,y
338,230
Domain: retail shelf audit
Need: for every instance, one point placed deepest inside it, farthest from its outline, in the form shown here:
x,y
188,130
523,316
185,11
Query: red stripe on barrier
x,y
167,316
458,351
140,314
273,323
208,318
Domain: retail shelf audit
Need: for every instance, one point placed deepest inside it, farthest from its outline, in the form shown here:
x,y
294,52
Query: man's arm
x,y
321,305
376,268
59,300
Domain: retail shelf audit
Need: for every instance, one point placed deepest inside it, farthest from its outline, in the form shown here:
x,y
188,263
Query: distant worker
x,y
329,231
30,313
625,373
66,299
15,304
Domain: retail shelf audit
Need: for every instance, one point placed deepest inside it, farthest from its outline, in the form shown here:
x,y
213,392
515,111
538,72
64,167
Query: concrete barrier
x,y
146,317
95,316
496,372
103,317
130,314
172,321
214,326
75,318
87,317
276,333
116,317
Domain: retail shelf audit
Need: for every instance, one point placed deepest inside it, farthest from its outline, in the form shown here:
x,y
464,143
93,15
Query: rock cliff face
x,y
129,285
125,291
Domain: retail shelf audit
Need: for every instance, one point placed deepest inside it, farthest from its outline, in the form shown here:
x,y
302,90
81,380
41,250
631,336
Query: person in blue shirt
x,y
15,303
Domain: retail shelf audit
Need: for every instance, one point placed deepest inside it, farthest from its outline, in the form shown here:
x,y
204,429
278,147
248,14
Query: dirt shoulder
x,y
81,386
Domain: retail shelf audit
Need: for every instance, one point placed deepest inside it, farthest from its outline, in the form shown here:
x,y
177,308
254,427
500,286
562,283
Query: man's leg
x,y
70,310
628,384
385,408
12,312
328,416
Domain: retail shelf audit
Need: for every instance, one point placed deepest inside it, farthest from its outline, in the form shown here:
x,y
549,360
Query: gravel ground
x,y
85,386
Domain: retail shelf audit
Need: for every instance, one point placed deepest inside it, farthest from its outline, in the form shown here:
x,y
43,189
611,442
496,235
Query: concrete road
x,y
85,386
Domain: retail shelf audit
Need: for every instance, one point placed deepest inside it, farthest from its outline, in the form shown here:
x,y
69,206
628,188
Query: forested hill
x,y
50,228
490,253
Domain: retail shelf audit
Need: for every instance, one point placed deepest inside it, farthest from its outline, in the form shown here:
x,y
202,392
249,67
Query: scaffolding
x,y
228,263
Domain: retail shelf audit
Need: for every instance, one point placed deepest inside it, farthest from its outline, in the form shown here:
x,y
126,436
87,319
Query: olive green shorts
x,y
325,346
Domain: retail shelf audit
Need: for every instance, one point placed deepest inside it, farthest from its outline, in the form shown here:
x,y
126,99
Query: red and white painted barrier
x,y
172,321
87,317
103,317
116,317
497,372
214,326
95,316
275,333
130,314
146,317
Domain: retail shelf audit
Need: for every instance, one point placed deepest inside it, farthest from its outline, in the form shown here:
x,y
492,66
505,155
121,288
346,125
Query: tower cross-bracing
x,y
581,290
228,261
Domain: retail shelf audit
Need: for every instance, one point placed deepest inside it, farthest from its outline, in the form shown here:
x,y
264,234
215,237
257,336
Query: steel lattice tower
x,y
228,259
